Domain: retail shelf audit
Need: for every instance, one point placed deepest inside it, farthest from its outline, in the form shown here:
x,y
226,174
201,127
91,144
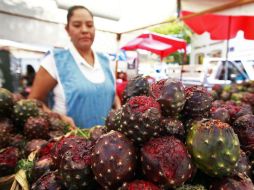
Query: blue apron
x,y
87,103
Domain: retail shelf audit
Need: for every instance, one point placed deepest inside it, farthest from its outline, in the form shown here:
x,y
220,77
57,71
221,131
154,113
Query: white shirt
x,y
93,73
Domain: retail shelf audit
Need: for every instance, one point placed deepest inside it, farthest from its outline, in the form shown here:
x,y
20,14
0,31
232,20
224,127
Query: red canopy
x,y
156,43
221,27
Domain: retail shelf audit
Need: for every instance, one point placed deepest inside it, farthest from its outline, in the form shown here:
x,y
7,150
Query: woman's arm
x,y
42,85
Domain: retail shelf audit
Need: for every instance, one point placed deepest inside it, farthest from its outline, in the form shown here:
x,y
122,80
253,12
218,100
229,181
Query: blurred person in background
x,y
121,83
26,81
30,74
81,80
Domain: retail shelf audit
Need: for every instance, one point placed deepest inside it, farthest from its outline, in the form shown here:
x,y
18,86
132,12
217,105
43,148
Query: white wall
x,y
238,47
200,5
203,44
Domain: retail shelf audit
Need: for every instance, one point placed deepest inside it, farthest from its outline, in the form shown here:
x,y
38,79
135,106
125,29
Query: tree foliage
x,y
177,29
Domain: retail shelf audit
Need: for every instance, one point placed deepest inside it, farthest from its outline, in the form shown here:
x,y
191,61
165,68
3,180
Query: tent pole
x,y
179,6
182,64
235,3
118,38
223,7
227,50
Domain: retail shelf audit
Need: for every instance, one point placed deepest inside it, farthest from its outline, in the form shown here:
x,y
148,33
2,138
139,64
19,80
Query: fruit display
x,y
233,183
214,146
165,137
24,109
244,127
137,86
172,126
75,165
198,102
191,187
49,180
6,128
140,119
165,160
36,128
170,94
113,160
6,102
8,160
139,185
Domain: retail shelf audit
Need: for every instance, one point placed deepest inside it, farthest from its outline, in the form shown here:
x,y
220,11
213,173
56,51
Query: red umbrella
x,y
156,43
221,27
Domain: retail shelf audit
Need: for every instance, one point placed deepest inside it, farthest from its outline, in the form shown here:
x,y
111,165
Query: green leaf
x,y
25,165
80,132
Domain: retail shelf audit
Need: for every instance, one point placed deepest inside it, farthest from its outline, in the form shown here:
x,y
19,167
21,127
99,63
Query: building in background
x,y
203,47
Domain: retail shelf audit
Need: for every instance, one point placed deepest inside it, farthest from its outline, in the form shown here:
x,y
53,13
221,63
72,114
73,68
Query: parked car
x,y
217,71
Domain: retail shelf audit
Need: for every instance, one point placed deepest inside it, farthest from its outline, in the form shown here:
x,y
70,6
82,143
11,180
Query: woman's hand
x,y
117,103
68,120
65,118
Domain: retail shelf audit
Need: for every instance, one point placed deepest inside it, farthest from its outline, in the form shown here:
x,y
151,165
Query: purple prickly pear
x,y
170,94
244,127
113,160
75,165
198,102
48,181
140,119
8,160
233,183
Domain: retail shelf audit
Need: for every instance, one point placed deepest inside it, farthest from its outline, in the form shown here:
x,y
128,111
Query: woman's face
x,y
81,29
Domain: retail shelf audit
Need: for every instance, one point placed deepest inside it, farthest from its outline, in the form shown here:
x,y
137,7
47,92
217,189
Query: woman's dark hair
x,y
30,75
73,8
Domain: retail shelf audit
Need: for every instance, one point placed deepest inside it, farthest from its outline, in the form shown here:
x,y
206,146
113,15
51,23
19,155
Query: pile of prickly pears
x,y
184,138
165,137
24,128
